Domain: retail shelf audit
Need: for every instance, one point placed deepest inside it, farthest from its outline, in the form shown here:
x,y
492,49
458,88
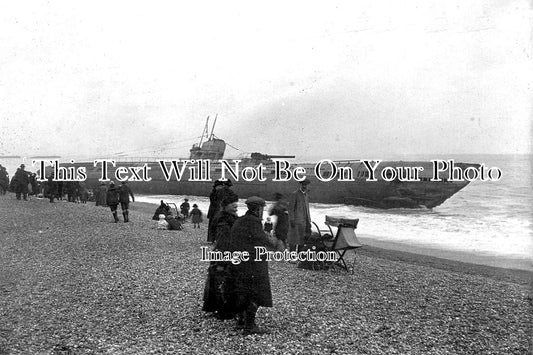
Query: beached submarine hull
x,y
359,192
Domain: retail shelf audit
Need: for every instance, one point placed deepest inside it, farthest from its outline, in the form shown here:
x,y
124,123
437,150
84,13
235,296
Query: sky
x,y
329,79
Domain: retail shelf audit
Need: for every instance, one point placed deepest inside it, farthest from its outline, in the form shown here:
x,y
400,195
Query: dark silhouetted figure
x,y
112,198
125,193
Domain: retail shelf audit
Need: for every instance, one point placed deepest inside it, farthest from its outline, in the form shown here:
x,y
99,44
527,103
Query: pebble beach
x,y
74,282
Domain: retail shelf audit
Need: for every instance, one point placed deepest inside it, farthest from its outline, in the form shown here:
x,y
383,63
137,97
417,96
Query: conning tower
x,y
213,148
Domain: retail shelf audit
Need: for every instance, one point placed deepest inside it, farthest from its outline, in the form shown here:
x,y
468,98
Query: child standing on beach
x,y
196,215
184,207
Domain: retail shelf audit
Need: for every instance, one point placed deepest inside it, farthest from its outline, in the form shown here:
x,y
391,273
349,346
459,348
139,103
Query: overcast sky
x,y
314,79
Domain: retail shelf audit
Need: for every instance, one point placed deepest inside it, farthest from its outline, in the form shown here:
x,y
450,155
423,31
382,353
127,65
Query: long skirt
x,y
218,291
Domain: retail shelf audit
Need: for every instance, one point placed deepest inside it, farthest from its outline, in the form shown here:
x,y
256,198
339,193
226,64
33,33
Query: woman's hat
x,y
195,205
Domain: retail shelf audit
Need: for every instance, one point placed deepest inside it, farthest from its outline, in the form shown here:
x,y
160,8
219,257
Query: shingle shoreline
x,y
73,282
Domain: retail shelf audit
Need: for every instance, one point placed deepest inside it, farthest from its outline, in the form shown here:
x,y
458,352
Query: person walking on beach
x,y
299,217
185,207
251,279
20,183
60,190
196,215
101,195
33,184
84,193
219,286
125,193
112,198
50,189
72,188
281,211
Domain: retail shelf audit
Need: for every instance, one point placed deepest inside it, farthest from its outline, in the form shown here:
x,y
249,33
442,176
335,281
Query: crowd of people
x,y
232,290
25,183
237,290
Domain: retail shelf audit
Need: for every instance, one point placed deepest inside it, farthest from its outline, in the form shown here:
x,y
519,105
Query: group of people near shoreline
x,y
166,220
112,196
232,290
25,183
237,290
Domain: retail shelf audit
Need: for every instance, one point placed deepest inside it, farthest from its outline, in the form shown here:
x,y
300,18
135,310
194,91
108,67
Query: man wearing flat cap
x,y
299,216
251,280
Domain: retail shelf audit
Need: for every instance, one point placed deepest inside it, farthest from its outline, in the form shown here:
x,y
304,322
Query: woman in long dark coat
x,y
251,280
214,207
102,195
221,190
218,283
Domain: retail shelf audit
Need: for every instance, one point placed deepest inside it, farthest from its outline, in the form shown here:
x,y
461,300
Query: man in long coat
x,y
299,216
251,280
21,180
125,193
112,199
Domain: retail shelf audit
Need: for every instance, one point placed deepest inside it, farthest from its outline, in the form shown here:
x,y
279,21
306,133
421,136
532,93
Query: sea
x,y
486,218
